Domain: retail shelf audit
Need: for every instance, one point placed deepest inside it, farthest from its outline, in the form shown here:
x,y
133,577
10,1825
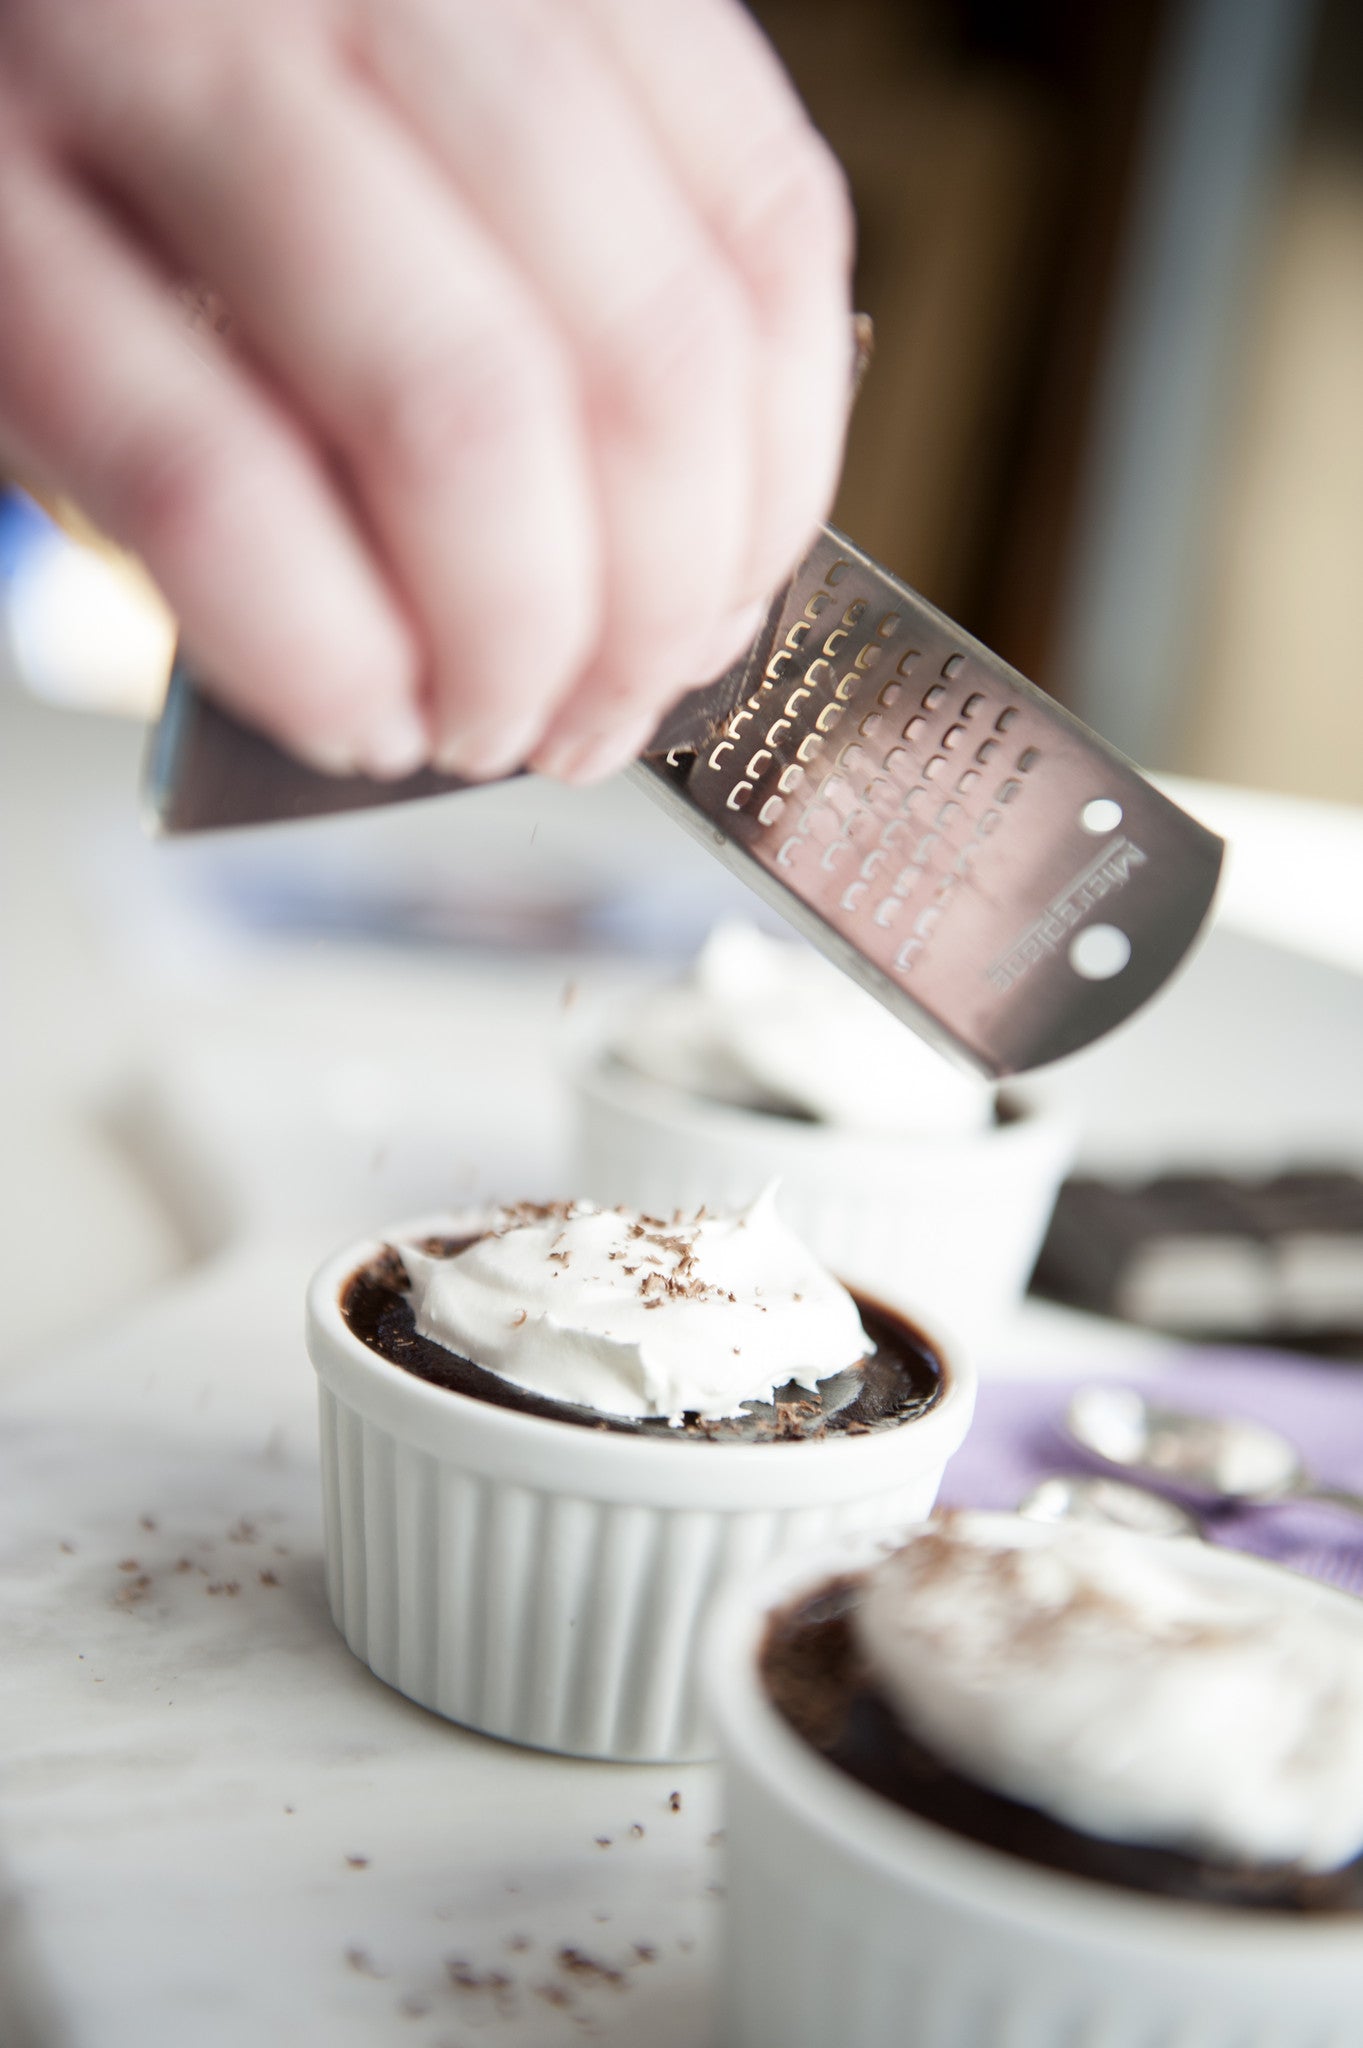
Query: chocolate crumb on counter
x,y
129,1564
362,1962
268,1578
603,1841
674,1802
577,1964
147,1522
644,1952
636,1829
463,1977
358,1862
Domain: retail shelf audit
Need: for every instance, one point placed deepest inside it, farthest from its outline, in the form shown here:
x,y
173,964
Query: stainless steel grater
x,y
953,839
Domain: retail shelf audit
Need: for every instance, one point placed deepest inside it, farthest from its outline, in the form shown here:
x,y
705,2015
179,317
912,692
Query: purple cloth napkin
x,y
1018,1438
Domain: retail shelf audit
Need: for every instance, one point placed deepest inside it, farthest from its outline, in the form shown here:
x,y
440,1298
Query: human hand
x,y
538,362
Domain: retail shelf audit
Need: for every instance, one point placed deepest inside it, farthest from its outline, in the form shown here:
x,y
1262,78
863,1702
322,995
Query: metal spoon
x,y
1222,1457
1067,1497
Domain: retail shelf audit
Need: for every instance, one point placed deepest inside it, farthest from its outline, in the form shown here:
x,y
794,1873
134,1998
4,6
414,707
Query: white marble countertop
x,y
215,1825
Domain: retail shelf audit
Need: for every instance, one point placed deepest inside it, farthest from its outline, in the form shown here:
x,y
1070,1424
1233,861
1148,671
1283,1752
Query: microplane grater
x,y
952,838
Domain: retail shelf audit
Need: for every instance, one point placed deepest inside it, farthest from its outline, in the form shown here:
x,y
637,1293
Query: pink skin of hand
x,y
536,378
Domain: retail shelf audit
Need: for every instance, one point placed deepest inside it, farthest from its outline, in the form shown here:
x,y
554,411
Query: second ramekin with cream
x,y
907,1176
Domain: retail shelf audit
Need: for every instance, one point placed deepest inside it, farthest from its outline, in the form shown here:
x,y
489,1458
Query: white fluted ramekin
x,y
949,1226
546,1582
850,1920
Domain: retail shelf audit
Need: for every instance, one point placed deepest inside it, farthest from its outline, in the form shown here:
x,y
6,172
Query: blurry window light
x,y
85,627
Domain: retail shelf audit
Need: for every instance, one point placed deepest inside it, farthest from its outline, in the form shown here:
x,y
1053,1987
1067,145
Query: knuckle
x,y
679,345
800,206
168,484
423,413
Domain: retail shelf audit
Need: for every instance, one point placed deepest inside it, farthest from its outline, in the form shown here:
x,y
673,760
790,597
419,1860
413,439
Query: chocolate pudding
x,y
817,1675
901,1378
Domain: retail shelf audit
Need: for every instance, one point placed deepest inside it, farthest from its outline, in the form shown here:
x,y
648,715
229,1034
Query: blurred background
x,y
1114,256
1114,424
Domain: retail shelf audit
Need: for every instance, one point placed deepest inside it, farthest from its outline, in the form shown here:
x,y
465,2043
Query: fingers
x,y
775,199
394,325
543,364
186,461
659,334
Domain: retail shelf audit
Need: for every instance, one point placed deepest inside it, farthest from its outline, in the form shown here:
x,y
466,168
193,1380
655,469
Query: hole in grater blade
x,y
1100,952
1101,815
933,697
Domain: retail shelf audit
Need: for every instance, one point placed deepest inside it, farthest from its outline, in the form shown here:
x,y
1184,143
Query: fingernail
x,y
591,757
327,754
399,746
485,752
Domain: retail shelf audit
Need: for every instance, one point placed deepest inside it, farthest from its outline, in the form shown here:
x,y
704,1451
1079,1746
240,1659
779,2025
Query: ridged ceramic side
x,y
851,1921
547,1583
949,1225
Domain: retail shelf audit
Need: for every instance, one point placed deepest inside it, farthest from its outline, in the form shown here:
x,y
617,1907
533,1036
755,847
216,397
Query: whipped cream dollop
x,y
1115,1682
766,1024
634,1316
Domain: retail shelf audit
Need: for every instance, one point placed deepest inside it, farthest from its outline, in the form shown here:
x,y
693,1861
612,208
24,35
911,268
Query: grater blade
x,y
958,843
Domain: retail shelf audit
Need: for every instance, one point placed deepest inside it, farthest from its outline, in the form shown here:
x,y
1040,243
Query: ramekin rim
x,y
948,1418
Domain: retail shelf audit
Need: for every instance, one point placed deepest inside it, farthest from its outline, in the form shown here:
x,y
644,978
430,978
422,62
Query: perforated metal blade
x,y
948,835
955,840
